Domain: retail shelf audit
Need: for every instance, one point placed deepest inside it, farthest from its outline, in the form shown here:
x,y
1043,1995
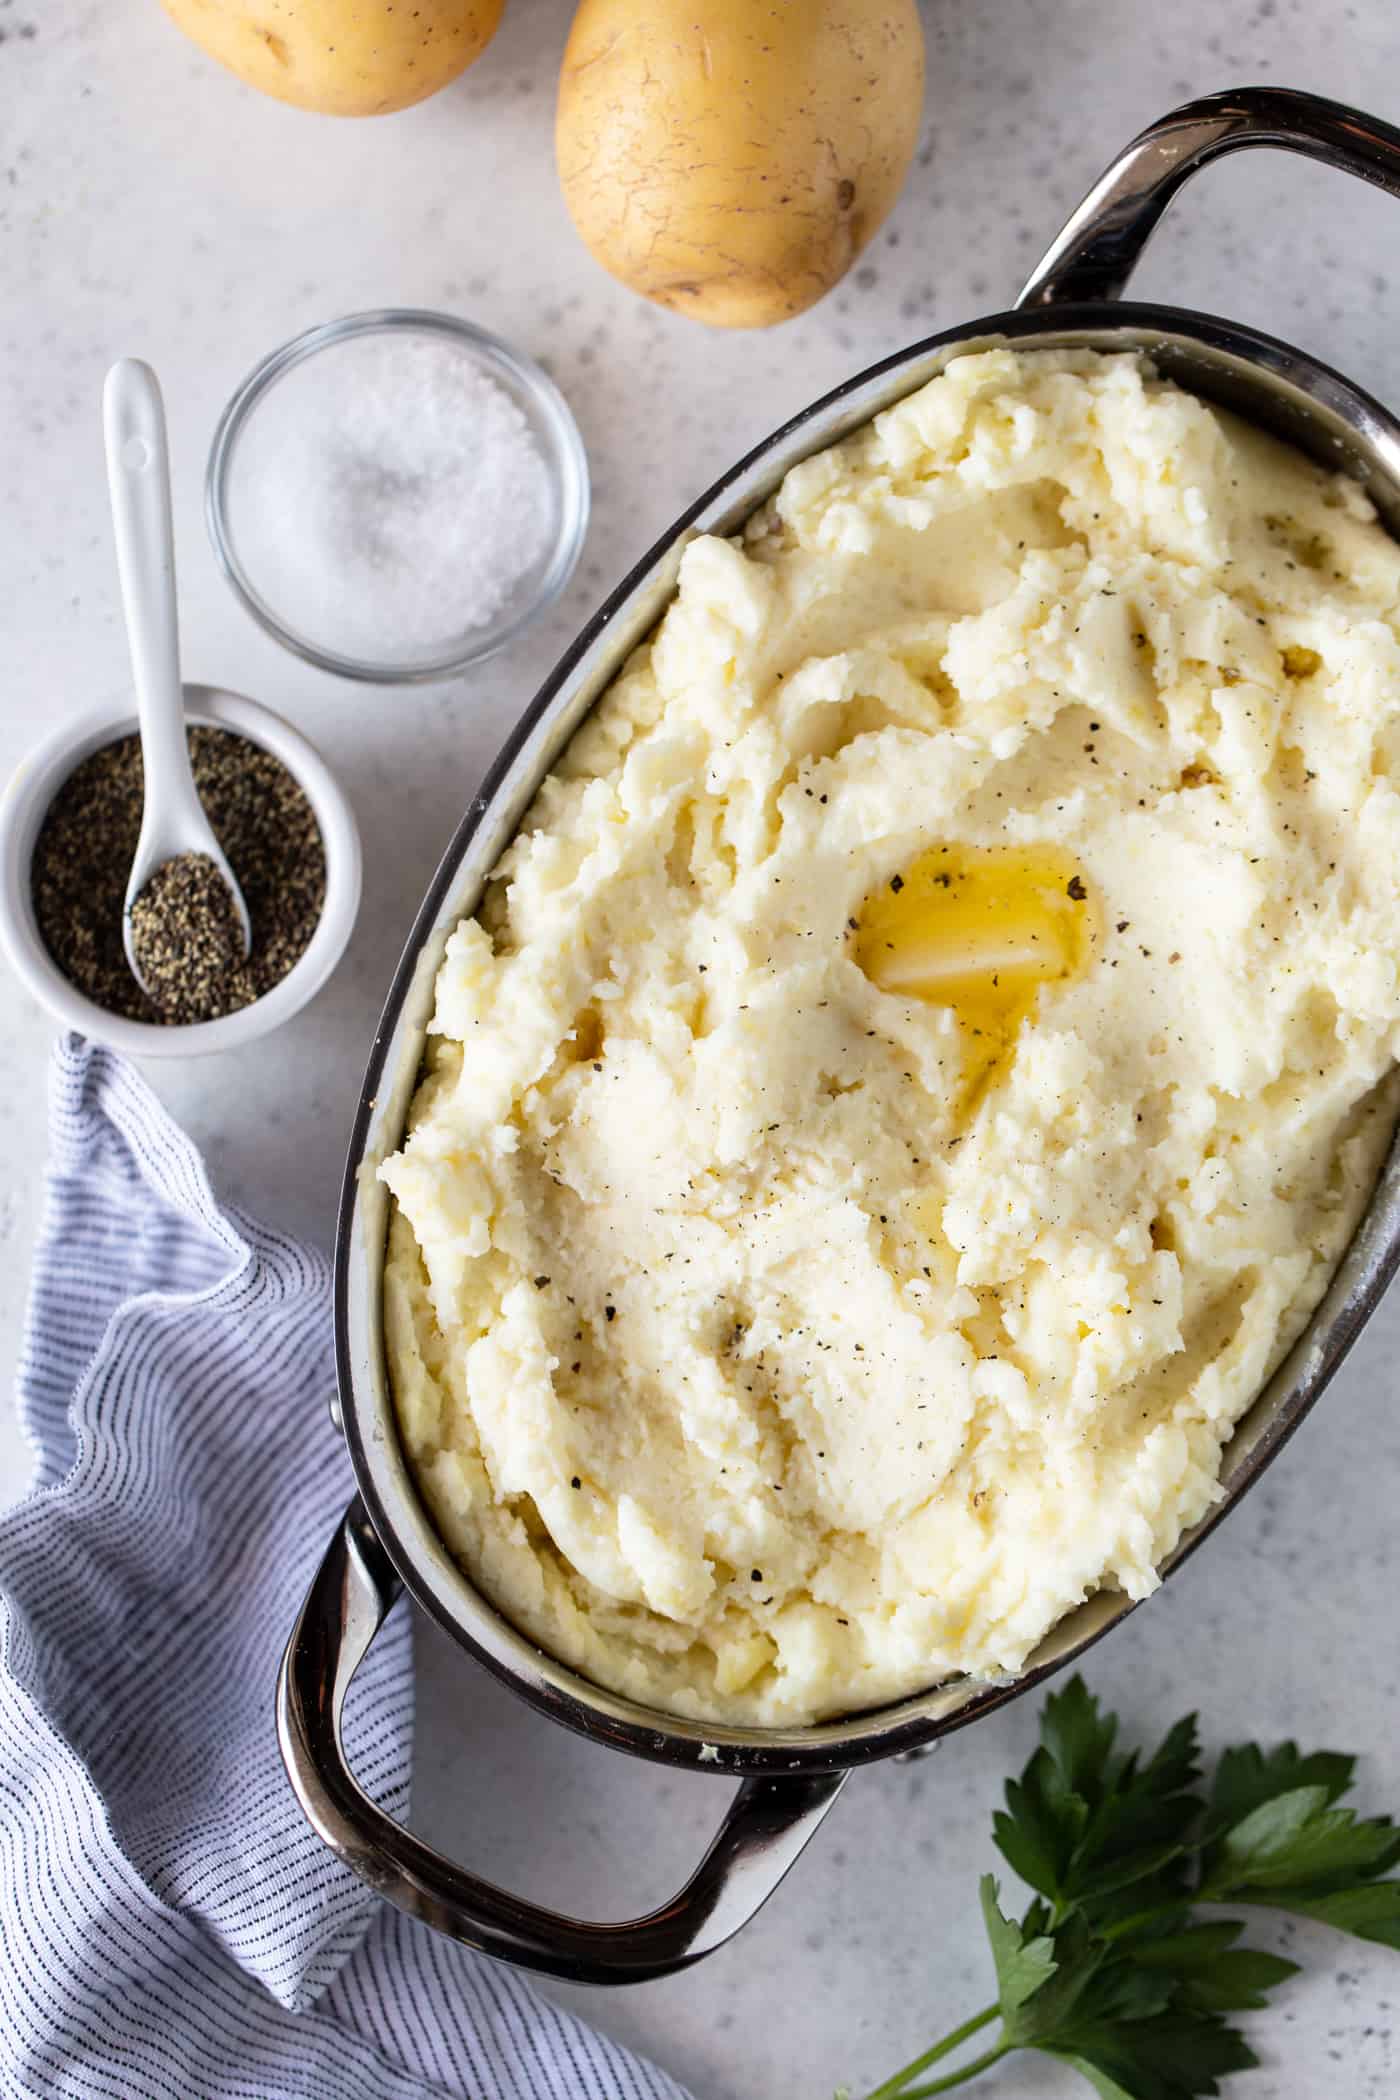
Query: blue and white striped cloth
x,y
169,1927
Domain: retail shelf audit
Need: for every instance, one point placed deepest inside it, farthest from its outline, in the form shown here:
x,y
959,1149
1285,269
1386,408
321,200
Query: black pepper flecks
x,y
87,842
187,938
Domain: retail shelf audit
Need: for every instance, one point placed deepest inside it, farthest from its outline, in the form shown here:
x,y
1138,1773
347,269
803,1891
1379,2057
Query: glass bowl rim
x,y
568,471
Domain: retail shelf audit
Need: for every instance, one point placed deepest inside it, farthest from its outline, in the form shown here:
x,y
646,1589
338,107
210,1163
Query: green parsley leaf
x,y
1277,1837
1023,1964
1032,1834
1212,1974
1078,1958
1175,2056
1370,1911
1246,1777
1077,1738
1131,2024
1081,1824
1297,1838
1112,1969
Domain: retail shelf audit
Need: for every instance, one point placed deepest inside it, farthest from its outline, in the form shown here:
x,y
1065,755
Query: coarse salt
x,y
389,498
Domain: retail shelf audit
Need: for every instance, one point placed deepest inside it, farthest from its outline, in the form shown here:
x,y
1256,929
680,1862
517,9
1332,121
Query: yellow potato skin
x,y
345,58
731,158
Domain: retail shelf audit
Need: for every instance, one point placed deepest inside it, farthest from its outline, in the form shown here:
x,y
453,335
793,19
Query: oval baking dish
x,y
387,1542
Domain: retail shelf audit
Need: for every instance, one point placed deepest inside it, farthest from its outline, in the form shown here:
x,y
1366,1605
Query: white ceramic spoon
x,y
138,479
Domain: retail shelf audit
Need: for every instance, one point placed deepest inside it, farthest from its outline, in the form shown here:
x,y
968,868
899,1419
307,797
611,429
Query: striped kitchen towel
x,y
169,1927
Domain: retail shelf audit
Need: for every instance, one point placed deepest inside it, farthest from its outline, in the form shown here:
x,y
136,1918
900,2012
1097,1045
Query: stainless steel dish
x,y
789,1777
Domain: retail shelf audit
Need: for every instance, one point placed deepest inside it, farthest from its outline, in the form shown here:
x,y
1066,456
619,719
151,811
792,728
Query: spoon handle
x,y
138,480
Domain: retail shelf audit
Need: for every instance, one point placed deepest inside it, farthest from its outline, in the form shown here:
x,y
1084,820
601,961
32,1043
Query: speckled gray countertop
x,y
151,205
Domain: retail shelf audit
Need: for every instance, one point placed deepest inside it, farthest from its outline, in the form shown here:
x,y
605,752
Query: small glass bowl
x,y
551,426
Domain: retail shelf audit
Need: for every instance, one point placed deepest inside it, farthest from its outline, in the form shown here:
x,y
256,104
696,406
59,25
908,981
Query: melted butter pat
x,y
979,929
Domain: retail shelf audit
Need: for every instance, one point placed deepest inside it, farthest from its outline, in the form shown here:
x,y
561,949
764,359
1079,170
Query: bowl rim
x,y
26,799
568,471
1338,414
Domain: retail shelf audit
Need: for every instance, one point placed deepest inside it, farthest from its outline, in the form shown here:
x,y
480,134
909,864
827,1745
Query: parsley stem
x,y
1122,1928
952,2078
895,2088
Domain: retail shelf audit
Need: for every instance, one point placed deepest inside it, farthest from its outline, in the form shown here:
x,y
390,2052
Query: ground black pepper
x,y
187,938
87,842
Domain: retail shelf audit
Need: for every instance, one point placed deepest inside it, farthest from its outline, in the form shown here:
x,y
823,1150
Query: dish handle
x,y
1099,248
768,1822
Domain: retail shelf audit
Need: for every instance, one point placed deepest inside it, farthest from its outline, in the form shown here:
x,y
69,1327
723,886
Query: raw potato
x,y
346,58
731,158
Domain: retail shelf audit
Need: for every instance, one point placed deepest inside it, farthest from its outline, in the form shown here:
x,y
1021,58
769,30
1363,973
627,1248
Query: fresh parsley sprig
x,y
1111,1968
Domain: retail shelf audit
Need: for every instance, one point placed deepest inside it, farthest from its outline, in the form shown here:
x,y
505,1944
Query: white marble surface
x,y
151,205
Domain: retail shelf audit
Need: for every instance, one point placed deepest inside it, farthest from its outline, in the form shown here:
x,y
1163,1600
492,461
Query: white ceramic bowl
x,y
22,810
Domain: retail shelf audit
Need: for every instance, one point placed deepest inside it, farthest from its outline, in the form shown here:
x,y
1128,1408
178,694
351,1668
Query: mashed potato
x,y
922,1056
